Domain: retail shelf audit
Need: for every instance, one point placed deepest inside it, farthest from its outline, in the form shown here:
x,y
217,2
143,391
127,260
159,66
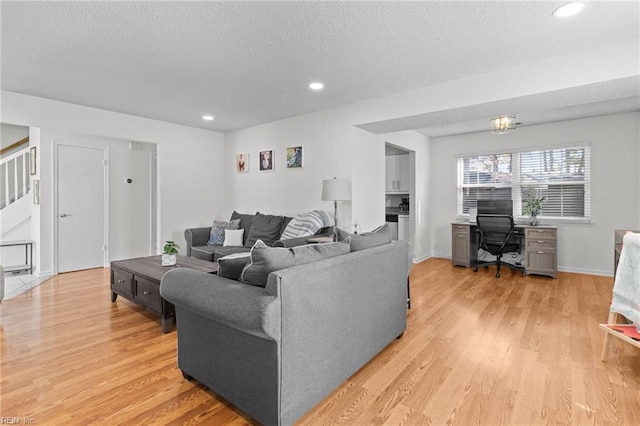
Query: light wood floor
x,y
478,350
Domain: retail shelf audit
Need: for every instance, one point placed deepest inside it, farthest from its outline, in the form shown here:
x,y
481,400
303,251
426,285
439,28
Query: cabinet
x,y
460,245
540,244
404,227
397,173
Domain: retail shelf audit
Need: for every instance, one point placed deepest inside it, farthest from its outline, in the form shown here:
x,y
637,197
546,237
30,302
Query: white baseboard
x,y
585,271
421,259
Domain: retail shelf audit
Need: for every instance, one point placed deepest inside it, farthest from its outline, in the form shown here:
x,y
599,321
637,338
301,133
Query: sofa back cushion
x,y
246,220
264,227
265,259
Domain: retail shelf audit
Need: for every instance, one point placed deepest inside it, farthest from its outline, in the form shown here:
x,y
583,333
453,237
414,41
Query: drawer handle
x,y
540,230
120,281
540,252
145,292
541,241
460,236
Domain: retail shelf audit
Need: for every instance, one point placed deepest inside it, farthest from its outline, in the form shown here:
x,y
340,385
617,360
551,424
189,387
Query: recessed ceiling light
x,y
207,117
316,86
568,9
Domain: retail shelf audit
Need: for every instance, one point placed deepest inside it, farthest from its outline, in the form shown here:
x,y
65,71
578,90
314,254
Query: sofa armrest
x,y
237,305
196,237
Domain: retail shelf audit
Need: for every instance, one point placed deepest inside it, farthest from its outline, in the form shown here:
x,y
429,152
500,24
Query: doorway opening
x,y
399,192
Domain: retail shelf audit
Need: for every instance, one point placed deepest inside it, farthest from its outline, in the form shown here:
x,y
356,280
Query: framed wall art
x,y
294,157
266,160
242,162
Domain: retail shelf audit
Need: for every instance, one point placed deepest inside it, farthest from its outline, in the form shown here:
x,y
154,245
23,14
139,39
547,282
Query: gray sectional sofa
x,y
309,319
268,228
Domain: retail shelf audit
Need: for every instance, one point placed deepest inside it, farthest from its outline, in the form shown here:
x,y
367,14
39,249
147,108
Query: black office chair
x,y
496,233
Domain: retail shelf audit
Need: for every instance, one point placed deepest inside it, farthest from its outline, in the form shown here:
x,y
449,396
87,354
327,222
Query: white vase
x,y
533,220
169,259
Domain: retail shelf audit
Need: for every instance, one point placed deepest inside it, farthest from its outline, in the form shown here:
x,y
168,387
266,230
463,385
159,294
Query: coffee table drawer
x,y
121,282
148,294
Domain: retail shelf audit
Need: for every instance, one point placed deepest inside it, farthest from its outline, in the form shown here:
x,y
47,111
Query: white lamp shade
x,y
336,190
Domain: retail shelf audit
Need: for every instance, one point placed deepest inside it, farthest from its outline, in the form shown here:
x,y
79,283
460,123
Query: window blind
x,y
560,175
485,177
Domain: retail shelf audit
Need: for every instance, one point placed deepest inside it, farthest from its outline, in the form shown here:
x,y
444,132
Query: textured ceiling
x,y
250,62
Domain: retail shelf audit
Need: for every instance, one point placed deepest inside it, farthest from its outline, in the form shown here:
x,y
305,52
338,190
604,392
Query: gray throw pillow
x,y
379,236
265,259
265,227
231,266
216,236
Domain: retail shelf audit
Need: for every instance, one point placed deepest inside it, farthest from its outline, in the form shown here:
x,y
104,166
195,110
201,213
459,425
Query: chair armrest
x,y
196,237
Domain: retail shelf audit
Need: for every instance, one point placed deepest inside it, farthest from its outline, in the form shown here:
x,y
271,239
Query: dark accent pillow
x,y
265,227
216,236
231,266
265,259
245,223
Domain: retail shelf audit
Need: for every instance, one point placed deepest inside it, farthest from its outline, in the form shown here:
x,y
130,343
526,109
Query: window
x,y
560,175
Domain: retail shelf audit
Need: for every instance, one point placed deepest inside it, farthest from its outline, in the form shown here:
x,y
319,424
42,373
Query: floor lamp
x,y
336,190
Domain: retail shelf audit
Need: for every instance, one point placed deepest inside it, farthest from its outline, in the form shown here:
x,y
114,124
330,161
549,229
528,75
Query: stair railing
x,y
14,170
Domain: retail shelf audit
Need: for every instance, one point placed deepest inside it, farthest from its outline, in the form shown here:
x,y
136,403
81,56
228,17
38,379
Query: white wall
x,y
10,134
191,182
615,184
328,151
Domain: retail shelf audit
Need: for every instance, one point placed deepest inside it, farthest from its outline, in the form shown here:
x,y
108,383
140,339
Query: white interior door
x,y
81,208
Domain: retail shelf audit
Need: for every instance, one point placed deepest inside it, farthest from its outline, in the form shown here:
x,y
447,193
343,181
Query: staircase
x,y
15,205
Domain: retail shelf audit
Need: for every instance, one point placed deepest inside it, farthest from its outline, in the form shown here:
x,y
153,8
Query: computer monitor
x,y
495,207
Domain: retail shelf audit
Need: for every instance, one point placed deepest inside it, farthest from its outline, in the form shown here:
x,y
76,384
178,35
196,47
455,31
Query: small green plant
x,y
170,247
533,206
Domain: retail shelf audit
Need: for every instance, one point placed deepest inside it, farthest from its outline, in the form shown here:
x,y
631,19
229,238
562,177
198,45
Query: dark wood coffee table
x,y
138,280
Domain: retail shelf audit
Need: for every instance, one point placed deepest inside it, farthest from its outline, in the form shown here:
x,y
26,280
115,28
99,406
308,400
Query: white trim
x,y
421,259
585,271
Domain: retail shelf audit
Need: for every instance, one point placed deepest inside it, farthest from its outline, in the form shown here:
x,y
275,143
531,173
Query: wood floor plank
x,y
478,350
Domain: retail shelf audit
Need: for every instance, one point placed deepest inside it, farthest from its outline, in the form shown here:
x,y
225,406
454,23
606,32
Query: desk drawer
x,y
462,230
541,262
540,233
541,245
